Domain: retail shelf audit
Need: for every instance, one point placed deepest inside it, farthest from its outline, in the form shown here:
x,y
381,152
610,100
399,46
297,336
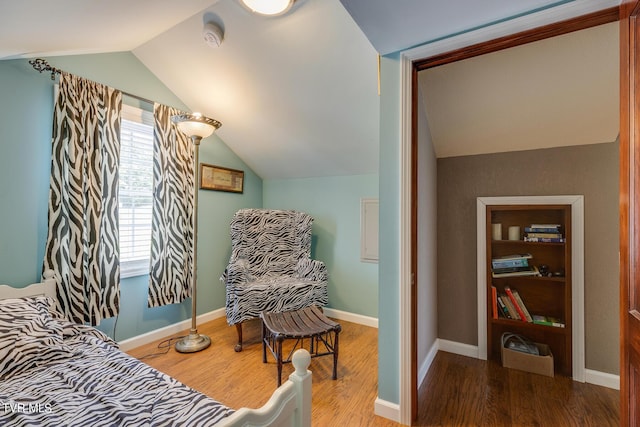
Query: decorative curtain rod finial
x,y
41,65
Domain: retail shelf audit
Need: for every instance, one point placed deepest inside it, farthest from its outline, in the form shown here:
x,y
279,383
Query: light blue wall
x,y
390,188
334,202
26,106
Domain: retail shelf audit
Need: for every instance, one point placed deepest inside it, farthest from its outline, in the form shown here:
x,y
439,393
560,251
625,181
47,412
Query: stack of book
x,y
513,265
510,305
548,233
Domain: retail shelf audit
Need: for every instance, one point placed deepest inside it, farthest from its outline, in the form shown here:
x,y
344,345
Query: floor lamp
x,y
196,127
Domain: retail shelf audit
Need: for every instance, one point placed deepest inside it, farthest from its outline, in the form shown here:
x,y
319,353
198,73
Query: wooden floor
x,y
241,379
462,391
458,391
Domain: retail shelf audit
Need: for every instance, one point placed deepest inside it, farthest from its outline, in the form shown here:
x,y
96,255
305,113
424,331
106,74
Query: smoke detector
x,y
212,34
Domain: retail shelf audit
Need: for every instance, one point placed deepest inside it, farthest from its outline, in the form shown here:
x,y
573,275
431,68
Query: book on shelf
x,y
545,235
513,256
513,314
494,298
514,301
546,226
503,310
502,271
542,229
547,320
522,306
544,239
509,261
517,271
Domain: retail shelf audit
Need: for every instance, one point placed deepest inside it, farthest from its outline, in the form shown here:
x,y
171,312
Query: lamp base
x,y
192,343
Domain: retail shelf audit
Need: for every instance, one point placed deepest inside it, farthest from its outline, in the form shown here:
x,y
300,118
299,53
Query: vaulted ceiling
x,y
297,94
554,92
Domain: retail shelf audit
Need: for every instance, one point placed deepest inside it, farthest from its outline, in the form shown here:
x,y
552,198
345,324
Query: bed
x,y
54,372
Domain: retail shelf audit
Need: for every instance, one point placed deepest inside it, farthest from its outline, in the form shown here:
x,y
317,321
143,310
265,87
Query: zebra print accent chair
x,y
270,268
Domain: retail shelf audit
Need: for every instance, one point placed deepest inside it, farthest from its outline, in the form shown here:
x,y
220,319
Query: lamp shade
x,y
269,7
195,124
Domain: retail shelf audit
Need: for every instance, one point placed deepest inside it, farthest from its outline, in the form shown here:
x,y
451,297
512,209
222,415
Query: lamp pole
x,y
196,127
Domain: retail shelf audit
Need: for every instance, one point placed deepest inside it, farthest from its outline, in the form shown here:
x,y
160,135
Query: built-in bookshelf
x,y
529,265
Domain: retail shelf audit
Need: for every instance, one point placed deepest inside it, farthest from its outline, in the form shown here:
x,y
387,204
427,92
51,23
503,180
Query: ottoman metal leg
x,y
265,337
335,356
279,358
299,325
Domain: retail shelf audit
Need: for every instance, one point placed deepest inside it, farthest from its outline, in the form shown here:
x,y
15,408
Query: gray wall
x,y
590,170
427,281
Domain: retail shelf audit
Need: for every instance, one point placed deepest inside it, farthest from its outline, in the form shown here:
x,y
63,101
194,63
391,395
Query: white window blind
x,y
136,190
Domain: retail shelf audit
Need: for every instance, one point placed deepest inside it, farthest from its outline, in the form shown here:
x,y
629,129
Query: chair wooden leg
x,y
238,347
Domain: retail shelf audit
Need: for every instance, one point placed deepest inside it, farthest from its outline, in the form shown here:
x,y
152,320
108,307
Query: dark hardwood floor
x,y
458,391
462,391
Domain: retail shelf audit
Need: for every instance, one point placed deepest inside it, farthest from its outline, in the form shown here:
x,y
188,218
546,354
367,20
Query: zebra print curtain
x,y
171,269
82,242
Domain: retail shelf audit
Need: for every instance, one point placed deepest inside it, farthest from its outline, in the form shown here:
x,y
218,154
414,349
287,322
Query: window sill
x,y
134,268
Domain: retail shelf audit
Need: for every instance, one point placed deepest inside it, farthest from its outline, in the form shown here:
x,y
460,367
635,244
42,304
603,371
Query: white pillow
x,y
29,336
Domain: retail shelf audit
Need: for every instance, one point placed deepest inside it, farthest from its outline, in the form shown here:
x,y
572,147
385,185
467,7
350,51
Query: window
x,y
135,190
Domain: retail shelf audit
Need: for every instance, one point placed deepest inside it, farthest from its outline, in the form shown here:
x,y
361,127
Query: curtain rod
x,y
42,65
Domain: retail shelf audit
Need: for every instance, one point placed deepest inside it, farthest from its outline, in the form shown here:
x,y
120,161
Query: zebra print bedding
x,y
94,385
28,335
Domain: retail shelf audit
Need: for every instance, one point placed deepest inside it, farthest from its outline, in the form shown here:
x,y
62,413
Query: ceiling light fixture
x,y
268,7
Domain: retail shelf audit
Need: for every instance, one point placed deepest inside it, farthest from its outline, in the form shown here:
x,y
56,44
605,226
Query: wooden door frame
x,y
629,200
422,58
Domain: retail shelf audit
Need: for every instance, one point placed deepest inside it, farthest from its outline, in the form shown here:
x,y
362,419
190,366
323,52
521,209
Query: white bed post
x,y
289,405
301,378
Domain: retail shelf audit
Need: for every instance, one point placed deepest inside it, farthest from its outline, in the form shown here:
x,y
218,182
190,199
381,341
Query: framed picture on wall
x,y
221,179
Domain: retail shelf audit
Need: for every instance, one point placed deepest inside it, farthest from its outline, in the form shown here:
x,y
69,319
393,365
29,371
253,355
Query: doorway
x,y
413,62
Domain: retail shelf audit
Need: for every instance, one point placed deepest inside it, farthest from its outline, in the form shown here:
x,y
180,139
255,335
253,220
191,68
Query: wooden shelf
x,y
536,278
550,296
522,242
527,325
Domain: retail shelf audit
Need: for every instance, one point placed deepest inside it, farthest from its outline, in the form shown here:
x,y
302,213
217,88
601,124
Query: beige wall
x,y
590,170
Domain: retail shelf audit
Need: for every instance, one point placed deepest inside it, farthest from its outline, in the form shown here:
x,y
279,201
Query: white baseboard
x,y
426,363
458,348
387,410
448,346
351,317
603,379
158,334
592,377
